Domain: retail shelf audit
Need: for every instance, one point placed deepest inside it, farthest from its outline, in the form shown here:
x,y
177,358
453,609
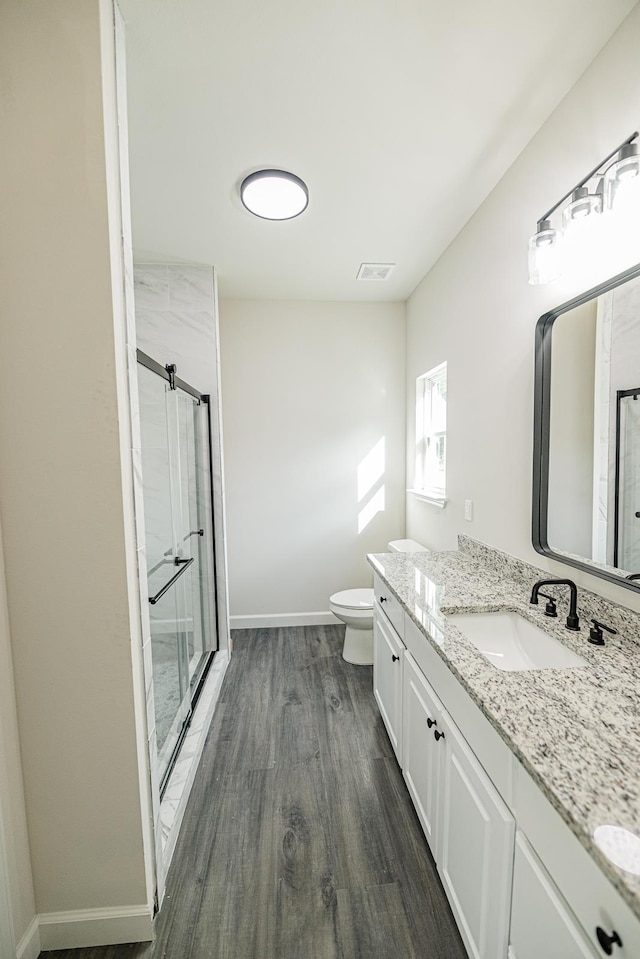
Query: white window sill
x,y
436,499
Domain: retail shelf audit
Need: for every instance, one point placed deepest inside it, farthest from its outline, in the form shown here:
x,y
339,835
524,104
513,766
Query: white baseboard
x,y
29,946
264,620
95,927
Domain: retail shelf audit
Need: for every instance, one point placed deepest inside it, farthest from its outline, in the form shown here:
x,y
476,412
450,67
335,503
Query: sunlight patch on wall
x,y
371,493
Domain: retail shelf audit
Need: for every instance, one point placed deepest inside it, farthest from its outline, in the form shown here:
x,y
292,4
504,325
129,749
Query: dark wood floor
x,y
299,840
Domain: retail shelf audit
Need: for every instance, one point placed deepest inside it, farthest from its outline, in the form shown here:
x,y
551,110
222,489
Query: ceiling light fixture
x,y
274,194
585,235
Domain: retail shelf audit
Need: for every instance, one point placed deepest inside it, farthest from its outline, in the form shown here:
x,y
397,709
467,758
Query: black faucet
x,y
633,576
572,619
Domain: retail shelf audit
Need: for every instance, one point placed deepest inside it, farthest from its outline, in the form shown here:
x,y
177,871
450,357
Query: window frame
x,y
428,434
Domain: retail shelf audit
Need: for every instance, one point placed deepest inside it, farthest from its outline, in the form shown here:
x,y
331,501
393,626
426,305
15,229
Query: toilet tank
x,y
406,546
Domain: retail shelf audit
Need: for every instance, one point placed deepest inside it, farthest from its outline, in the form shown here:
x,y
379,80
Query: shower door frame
x,y
169,375
620,396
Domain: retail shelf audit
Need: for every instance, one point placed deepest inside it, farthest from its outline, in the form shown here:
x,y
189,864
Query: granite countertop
x,y
576,731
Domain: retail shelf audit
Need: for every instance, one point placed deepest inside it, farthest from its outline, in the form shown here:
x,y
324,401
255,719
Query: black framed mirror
x,y
586,444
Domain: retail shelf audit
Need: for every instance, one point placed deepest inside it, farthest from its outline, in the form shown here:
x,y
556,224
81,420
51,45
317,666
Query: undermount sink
x,y
512,643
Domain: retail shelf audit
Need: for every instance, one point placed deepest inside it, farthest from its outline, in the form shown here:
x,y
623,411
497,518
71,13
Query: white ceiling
x,y
401,116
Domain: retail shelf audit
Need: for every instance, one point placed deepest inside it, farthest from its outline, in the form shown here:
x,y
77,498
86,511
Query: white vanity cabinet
x,y
519,883
422,753
541,922
475,849
387,680
466,823
388,654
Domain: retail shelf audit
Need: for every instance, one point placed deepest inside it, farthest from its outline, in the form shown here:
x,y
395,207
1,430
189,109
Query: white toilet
x,y
355,608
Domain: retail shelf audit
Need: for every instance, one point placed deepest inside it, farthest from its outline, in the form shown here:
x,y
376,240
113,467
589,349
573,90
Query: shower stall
x,y
175,426
627,482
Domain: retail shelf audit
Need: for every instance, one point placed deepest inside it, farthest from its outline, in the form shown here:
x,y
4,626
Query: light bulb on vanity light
x,y
583,232
622,197
544,254
622,176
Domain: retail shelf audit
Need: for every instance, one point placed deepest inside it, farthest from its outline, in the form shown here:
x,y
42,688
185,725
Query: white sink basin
x,y
513,643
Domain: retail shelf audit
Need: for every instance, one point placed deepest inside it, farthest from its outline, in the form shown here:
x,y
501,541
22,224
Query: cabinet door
x,y
422,753
387,679
475,860
541,922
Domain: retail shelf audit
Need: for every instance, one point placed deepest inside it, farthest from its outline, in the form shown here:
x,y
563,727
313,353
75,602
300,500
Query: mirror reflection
x,y
594,432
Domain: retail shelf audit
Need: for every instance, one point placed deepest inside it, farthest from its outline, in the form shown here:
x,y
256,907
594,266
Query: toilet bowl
x,y
355,608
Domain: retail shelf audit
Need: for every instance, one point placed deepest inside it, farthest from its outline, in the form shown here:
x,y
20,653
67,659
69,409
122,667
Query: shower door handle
x,y
184,566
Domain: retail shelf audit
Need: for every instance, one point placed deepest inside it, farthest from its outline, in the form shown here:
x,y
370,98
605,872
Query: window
x,y
431,435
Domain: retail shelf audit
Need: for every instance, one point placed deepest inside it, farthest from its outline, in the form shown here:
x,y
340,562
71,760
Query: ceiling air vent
x,y
374,271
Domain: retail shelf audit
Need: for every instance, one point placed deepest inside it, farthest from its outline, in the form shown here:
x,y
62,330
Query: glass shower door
x,y
627,545
195,520
179,548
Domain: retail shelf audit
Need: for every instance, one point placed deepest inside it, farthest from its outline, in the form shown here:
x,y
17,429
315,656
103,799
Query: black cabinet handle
x,y
383,599
394,658
432,722
438,735
607,942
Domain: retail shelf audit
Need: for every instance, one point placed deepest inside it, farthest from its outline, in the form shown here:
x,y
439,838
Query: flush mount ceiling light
x,y
598,224
274,194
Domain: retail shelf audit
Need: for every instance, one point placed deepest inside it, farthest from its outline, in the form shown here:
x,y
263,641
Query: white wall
x,y
12,810
67,518
476,310
571,437
308,390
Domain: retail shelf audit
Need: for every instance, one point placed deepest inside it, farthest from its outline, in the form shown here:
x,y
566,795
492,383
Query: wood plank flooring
x,y
299,840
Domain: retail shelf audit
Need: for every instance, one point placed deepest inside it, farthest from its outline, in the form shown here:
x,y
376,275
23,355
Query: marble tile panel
x,y
191,287
183,337
138,508
151,288
147,665
181,779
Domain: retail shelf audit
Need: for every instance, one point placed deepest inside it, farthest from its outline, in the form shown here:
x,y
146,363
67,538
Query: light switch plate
x,y
468,510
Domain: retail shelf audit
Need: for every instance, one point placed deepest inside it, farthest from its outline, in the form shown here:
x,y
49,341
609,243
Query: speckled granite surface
x,y
576,731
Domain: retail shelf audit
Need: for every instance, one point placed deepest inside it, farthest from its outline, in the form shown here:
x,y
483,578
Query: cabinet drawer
x,y
587,891
389,605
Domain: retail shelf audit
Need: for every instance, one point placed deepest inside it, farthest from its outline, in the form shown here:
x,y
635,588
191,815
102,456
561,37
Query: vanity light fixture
x,y
274,194
611,189
622,174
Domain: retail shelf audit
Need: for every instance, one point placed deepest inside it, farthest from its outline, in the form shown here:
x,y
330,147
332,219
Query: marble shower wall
x,y
177,322
618,367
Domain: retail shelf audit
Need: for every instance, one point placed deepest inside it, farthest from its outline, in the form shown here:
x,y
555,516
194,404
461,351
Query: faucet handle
x,y
595,633
550,608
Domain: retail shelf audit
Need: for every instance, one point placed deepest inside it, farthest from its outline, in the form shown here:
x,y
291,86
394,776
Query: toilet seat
x,y
356,599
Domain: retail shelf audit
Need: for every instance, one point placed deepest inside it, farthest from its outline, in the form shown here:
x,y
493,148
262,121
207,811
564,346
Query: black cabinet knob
x,y
394,658
438,735
432,722
383,599
607,942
